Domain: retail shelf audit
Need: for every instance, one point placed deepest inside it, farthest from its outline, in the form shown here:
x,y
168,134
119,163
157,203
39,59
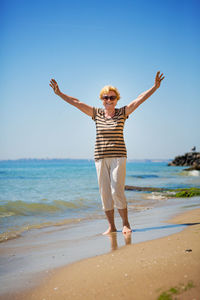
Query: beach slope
x,y
168,266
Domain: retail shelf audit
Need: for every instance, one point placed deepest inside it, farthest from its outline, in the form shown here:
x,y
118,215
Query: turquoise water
x,y
41,193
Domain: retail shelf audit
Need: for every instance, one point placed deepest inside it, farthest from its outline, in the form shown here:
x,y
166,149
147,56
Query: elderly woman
x,y
110,150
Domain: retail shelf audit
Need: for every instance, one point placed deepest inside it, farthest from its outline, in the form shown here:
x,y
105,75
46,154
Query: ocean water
x,y
41,193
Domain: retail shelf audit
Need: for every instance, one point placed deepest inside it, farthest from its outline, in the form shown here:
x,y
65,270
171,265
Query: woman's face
x,y
109,100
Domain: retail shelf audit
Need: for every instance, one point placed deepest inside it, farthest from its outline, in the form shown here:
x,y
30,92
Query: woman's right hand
x,y
55,87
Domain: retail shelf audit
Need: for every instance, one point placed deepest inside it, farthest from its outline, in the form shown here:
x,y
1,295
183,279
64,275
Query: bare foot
x,y
110,230
126,229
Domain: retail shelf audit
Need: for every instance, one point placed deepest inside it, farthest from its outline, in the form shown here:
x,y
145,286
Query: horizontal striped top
x,y
109,133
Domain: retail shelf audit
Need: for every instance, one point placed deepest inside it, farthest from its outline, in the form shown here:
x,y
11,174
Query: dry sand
x,y
141,271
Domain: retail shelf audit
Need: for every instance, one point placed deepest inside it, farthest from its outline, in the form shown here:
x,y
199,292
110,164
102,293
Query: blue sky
x,y
85,45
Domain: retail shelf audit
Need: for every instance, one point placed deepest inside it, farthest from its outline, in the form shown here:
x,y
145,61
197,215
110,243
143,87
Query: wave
x,y
9,235
157,196
145,176
13,234
22,208
194,173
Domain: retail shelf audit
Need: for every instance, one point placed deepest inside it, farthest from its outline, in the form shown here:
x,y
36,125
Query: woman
x,y
110,150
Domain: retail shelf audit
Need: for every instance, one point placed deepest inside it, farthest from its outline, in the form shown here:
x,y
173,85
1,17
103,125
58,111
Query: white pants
x,y
111,173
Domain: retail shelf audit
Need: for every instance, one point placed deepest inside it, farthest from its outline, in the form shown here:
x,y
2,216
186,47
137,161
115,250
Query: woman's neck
x,y
109,112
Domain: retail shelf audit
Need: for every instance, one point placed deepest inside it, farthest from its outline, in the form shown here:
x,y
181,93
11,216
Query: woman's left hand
x,y
158,79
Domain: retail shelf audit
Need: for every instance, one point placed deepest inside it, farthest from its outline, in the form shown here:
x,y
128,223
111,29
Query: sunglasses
x,y
112,98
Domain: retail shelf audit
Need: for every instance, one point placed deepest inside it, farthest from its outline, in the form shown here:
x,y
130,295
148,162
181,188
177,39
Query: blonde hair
x,y
108,88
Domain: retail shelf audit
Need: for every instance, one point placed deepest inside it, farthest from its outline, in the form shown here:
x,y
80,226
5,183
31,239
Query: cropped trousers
x,y
111,173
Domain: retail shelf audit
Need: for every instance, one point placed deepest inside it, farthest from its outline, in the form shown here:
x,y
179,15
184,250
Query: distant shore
x,y
80,159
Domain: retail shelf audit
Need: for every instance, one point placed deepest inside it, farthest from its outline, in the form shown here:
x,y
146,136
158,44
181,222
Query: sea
x,y
41,193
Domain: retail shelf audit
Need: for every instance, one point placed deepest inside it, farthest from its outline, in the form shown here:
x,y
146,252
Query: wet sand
x,y
137,271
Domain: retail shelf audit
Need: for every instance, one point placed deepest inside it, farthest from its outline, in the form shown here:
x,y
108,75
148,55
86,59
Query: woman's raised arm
x,y
144,96
87,109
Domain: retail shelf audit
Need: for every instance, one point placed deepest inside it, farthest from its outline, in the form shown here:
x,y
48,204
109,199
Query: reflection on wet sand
x,y
128,236
113,240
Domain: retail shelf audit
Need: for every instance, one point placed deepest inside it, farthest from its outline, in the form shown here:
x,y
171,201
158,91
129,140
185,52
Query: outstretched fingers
x,y
162,77
53,80
157,75
159,78
53,84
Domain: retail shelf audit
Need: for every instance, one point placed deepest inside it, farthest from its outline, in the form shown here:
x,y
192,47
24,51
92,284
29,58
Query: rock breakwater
x,y
191,159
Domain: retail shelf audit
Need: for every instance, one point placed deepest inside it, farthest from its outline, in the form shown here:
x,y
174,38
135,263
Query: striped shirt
x,y
109,133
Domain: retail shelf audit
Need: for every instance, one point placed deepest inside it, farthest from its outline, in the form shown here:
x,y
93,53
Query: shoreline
x,y
161,263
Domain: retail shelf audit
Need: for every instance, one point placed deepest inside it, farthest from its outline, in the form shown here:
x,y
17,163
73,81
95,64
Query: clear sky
x,y
85,45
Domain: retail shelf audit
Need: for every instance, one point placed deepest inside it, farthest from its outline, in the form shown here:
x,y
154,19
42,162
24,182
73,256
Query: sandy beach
x,y
168,266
